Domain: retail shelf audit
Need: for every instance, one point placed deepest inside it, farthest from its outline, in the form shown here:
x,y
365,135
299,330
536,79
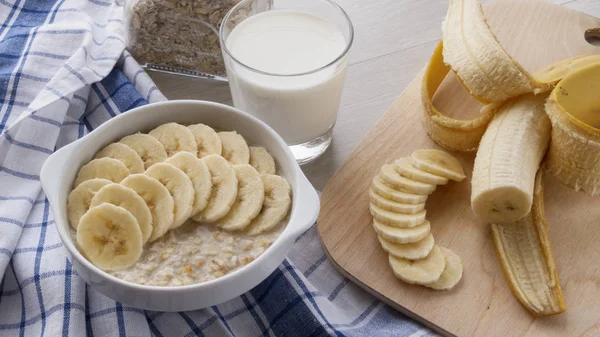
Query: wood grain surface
x,y
536,34
394,39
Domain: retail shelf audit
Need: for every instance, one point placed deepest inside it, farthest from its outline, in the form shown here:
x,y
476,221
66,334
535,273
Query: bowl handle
x,y
309,207
52,170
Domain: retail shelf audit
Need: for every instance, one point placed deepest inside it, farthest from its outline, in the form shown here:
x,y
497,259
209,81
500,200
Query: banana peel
x,y
525,254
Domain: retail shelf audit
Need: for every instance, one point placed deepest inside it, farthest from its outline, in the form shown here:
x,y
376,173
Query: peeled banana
x,y
507,160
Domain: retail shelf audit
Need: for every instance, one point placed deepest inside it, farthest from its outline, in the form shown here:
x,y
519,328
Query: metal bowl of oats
x,y
195,265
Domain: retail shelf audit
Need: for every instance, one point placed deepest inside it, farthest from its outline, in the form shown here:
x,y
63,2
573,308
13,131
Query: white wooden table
x,y
393,41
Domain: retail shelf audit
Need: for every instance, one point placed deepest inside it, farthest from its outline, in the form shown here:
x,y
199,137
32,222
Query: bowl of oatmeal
x,y
196,261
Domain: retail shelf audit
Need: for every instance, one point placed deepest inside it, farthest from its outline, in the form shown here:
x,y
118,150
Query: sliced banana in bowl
x,y
150,150
81,197
103,168
198,173
235,149
110,237
157,198
128,199
179,186
175,138
250,196
224,189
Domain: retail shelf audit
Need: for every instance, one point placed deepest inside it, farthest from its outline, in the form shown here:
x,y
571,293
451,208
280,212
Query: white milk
x,y
285,42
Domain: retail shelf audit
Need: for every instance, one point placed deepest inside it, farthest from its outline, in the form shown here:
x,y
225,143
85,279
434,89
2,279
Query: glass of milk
x,y
286,62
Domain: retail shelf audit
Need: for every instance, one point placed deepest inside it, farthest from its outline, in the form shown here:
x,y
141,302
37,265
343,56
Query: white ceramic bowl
x,y
59,171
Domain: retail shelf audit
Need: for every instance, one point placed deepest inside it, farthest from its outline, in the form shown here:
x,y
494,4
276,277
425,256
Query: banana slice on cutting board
x,y
127,198
411,251
397,219
207,140
234,148
81,197
261,160
249,201
402,234
124,154
439,163
380,187
276,204
423,271
405,167
109,236
175,138
391,177
507,160
103,168
180,187
198,173
394,206
157,198
224,189
452,273
147,147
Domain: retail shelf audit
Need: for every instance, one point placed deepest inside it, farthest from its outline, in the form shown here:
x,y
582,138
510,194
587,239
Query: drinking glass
x,y
302,107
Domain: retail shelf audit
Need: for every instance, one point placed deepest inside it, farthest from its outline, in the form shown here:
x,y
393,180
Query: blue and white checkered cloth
x,y
63,72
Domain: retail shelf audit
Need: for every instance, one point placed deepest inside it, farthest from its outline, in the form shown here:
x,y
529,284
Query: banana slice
x,y
508,158
439,163
411,251
235,149
406,169
198,173
127,198
81,197
207,139
147,147
393,206
275,206
397,219
250,197
103,168
157,198
402,235
391,177
261,160
124,154
423,271
110,237
452,271
180,187
388,192
175,138
224,189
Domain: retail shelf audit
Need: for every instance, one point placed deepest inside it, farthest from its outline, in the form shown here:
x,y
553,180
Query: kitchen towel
x,y
63,72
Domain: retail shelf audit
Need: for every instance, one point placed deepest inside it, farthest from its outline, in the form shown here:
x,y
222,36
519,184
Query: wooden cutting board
x,y
536,34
